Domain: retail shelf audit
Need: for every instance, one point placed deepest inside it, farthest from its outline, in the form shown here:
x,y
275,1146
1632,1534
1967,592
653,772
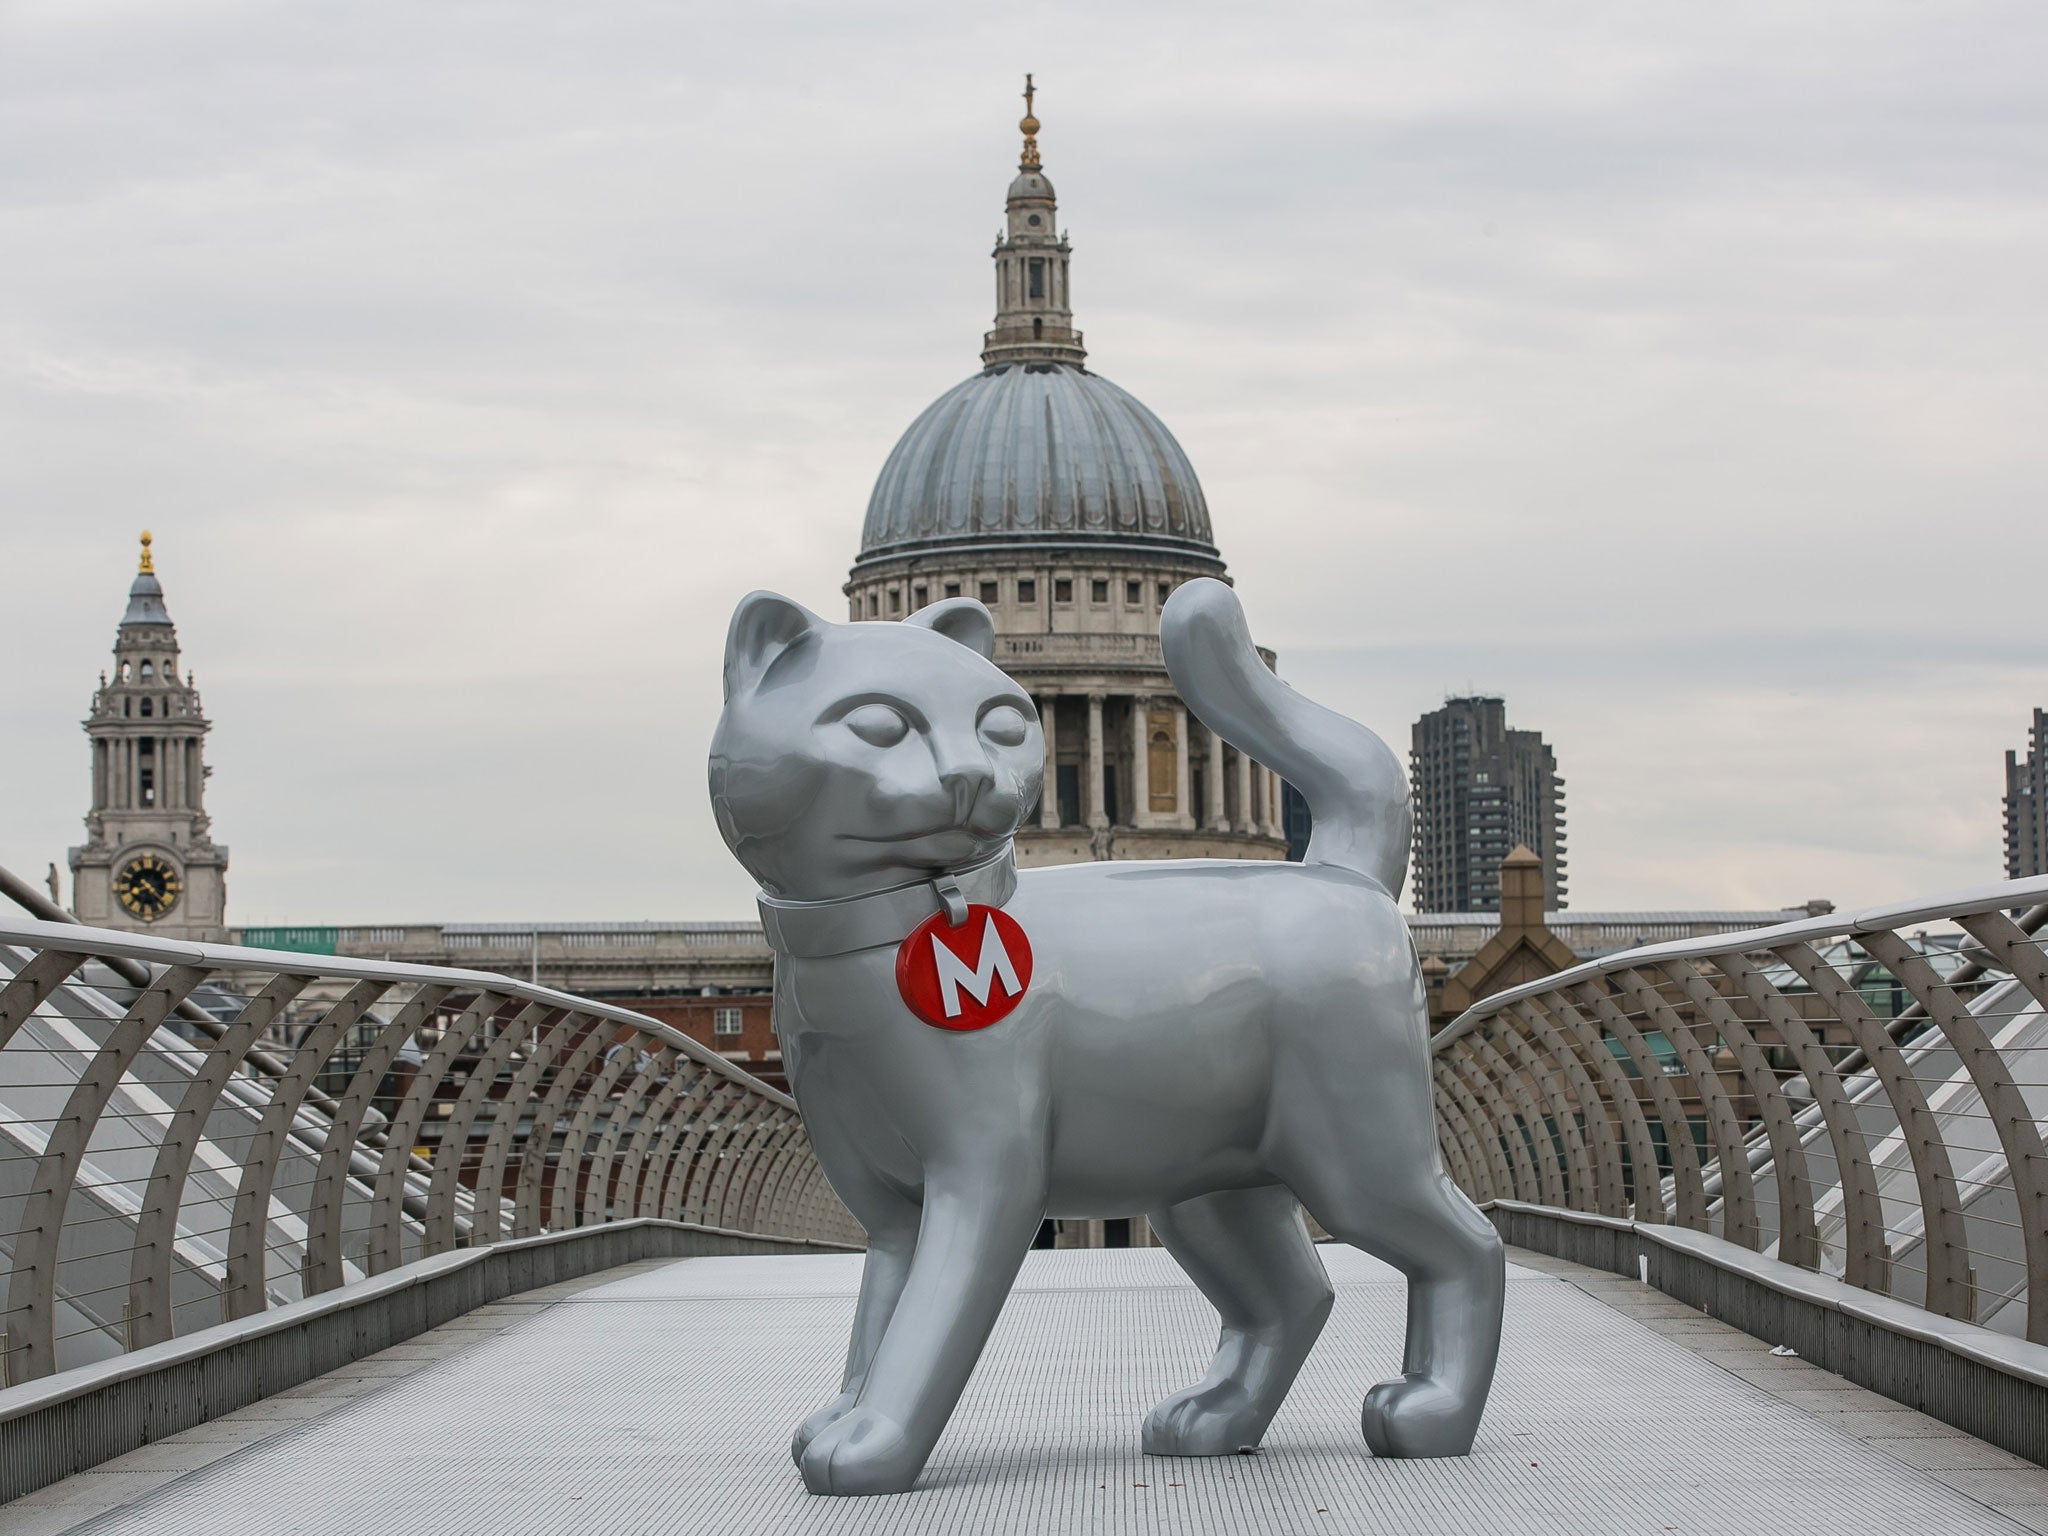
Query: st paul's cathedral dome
x,y
1026,451
1068,509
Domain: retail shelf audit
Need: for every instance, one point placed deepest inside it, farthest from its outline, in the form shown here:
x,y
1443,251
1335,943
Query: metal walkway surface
x,y
660,1398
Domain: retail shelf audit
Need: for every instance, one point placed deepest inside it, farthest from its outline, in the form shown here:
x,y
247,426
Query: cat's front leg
x,y
891,1224
889,1216
978,1224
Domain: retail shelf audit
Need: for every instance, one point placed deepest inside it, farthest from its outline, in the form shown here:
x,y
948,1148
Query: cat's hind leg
x,y
1421,1224
1249,1253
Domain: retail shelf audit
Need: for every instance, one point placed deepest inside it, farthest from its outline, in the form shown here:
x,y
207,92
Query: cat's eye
x,y
1005,726
877,724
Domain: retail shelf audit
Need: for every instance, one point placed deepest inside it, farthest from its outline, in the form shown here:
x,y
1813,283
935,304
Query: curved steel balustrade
x,y
193,1133
1861,1094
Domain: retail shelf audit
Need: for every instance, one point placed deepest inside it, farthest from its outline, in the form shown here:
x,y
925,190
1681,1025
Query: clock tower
x,y
149,861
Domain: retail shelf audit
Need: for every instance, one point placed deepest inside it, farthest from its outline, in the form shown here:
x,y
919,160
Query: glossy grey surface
x,y
1031,452
654,1403
1201,1042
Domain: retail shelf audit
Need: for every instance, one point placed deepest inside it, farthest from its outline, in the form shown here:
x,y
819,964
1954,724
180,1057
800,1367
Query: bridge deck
x,y
660,1399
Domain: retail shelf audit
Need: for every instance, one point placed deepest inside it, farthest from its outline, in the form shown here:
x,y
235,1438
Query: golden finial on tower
x,y
147,567
1029,125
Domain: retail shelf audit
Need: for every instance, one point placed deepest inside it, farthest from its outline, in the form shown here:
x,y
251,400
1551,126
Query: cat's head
x,y
853,757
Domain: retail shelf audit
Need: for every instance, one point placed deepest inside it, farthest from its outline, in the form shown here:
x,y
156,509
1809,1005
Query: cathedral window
x,y
1132,590
1098,591
145,703
919,596
874,605
145,776
988,592
1037,280
148,670
127,706
895,599
1164,589
1063,589
1027,590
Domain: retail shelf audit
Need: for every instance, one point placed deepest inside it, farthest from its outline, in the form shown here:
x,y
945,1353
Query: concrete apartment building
x,y
1481,791
2026,805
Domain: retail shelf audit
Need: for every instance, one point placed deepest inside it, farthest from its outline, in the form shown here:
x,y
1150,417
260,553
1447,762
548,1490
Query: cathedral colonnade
x,y
1141,761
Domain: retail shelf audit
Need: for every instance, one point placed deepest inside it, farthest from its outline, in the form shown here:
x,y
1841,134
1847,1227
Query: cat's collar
x,y
811,930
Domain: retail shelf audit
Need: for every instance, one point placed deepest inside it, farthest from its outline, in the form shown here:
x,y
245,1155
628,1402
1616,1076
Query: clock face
x,y
148,886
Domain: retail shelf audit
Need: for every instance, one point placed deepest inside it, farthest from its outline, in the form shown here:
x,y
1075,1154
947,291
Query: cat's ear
x,y
764,626
963,620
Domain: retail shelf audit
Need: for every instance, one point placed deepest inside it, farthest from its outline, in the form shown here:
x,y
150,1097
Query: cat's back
x,y
1215,906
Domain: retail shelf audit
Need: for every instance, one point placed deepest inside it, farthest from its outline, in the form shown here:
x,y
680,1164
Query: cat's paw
x,y
861,1452
807,1431
1416,1415
1204,1420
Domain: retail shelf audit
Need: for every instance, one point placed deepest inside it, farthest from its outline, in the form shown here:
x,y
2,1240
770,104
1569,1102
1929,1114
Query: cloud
x,y
1674,373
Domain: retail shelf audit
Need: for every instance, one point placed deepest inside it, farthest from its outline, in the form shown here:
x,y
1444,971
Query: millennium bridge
x,y
303,1243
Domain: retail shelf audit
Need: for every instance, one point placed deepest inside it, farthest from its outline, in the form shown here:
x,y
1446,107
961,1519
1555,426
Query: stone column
x,y
1214,817
1276,807
1141,763
1049,798
1091,789
1184,811
1245,821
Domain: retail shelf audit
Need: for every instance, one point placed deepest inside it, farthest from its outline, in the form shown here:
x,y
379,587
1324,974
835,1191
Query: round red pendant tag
x,y
966,977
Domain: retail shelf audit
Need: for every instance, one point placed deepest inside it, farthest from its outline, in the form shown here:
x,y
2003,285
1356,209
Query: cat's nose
x,y
966,786
965,780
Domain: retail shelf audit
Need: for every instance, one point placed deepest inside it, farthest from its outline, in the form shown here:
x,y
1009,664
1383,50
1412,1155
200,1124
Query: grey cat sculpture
x,y
1199,1041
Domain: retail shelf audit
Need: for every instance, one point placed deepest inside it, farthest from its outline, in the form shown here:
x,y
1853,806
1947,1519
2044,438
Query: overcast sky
x,y
1675,371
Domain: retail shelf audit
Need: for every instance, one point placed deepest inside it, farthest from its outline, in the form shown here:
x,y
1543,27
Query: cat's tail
x,y
1355,786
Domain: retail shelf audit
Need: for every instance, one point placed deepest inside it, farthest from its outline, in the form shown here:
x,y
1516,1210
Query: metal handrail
x,y
1902,1153
135,974
535,1109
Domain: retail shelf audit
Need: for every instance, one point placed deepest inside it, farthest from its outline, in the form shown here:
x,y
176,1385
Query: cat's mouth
x,y
951,829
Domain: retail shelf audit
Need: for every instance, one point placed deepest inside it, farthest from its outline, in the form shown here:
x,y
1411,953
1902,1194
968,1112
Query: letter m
x,y
993,961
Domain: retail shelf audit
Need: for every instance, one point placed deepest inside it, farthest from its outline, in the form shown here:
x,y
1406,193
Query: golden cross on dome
x,y
146,567
1029,125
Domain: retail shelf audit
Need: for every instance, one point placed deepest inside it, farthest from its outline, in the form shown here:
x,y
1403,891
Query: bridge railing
x,y
190,1134
1861,1094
